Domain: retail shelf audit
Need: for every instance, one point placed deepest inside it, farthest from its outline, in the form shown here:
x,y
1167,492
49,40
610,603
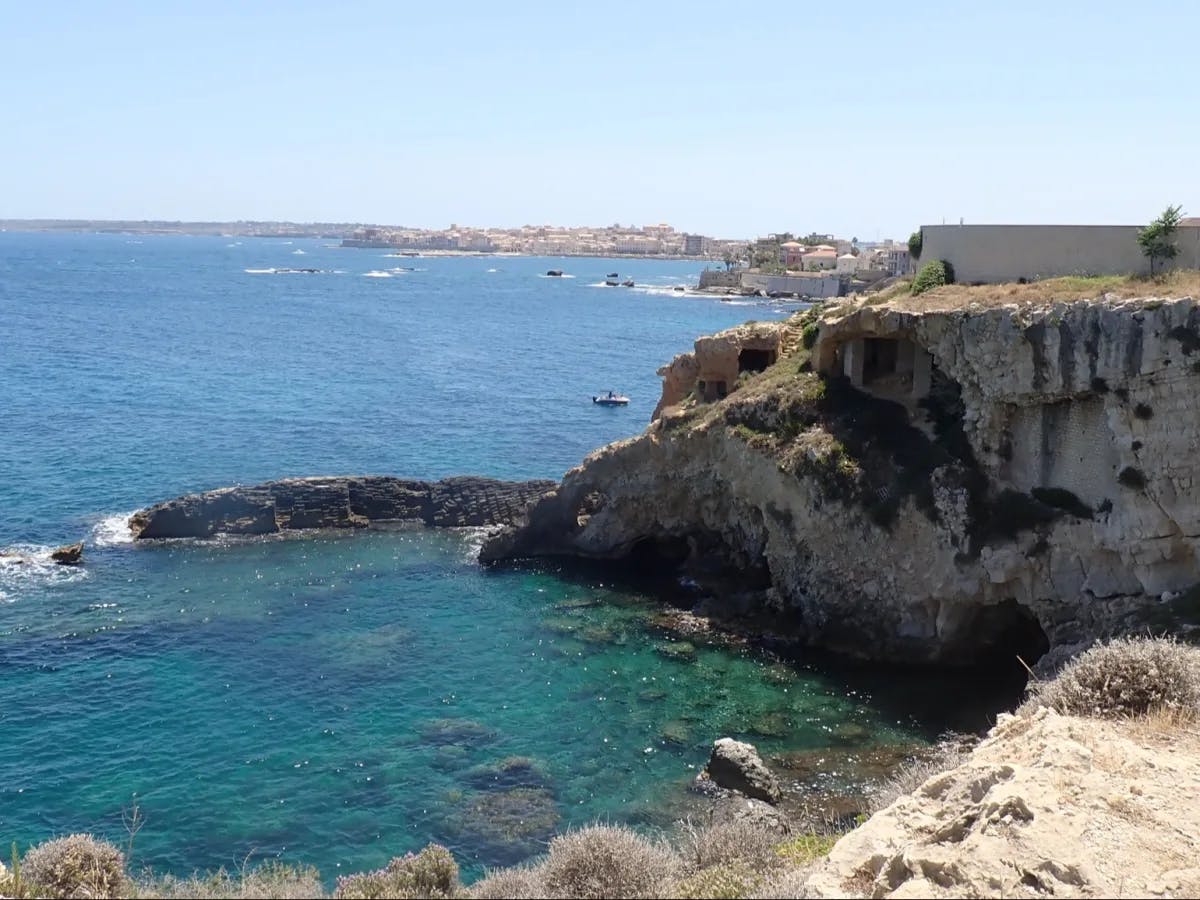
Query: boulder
x,y
68,554
752,812
737,766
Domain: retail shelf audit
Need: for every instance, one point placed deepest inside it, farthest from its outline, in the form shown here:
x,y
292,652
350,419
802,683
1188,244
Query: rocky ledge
x,y
952,486
1047,806
341,502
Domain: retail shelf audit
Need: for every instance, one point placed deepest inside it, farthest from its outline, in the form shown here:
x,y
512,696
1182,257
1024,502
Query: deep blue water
x,y
290,697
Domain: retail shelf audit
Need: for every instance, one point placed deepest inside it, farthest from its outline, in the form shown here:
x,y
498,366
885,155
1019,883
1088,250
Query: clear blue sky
x,y
730,119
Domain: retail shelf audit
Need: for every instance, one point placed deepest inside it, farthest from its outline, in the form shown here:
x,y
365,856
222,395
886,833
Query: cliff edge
x,y
915,482
1085,792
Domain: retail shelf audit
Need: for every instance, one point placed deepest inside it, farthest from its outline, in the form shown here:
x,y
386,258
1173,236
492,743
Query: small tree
x,y
915,240
1157,239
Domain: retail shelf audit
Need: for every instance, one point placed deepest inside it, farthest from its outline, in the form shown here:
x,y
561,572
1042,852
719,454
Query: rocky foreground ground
x,y
1047,805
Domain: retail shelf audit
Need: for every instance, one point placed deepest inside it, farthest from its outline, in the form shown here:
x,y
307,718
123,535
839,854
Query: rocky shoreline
x,y
295,504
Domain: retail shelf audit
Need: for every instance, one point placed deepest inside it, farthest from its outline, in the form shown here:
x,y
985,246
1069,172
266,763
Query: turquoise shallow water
x,y
338,699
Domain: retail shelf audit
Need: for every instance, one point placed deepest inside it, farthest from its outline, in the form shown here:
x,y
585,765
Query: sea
x,y
337,699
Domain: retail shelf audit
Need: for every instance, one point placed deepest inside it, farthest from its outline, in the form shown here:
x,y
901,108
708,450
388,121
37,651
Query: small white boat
x,y
611,399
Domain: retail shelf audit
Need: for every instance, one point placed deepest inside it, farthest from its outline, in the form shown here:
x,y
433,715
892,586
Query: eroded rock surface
x,y
347,502
1047,805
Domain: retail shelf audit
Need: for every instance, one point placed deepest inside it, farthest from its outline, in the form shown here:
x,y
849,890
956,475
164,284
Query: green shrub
x,y
75,866
806,848
1125,677
430,873
600,861
728,881
933,274
809,335
916,242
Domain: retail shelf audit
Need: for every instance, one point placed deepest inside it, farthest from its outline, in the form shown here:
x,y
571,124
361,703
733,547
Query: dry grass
x,y
705,846
1182,283
913,774
264,882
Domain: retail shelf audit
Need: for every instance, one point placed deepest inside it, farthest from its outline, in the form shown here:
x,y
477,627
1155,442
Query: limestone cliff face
x,y
1028,481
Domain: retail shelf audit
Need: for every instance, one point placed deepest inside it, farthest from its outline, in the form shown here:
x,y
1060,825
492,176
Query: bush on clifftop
x,y
933,274
1125,677
600,861
75,866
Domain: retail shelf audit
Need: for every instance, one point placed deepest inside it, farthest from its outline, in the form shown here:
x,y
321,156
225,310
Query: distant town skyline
x,y
866,122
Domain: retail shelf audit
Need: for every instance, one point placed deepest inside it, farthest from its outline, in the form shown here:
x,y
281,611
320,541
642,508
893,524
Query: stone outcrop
x,y
1047,805
736,766
925,485
69,554
347,502
712,369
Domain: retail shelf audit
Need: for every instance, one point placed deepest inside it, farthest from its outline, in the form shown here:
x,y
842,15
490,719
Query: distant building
x,y
822,257
695,245
847,264
899,261
791,253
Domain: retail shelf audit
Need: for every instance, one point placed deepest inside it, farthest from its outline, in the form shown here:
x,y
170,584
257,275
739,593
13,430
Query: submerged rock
x,y
680,651
506,827
752,812
676,732
462,732
738,767
508,773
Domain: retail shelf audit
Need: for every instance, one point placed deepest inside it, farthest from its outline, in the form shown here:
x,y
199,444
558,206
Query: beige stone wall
x,y
1000,253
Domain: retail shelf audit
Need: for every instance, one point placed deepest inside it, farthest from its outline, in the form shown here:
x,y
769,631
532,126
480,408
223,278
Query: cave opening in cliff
x,y
750,360
880,358
1005,634
657,555
712,391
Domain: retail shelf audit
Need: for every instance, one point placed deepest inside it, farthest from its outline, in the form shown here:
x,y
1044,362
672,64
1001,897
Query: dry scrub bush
x,y
1125,677
517,883
269,881
601,861
432,873
75,866
727,842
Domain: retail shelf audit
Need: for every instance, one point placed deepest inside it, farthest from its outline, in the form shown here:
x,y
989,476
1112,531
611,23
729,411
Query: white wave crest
x,y
112,531
27,566
375,273
259,271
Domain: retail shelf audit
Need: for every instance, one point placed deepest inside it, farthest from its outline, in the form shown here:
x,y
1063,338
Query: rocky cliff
x,y
919,484
1047,805
352,502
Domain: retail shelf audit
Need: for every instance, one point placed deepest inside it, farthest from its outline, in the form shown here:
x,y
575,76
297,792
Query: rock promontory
x,y
338,502
914,481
